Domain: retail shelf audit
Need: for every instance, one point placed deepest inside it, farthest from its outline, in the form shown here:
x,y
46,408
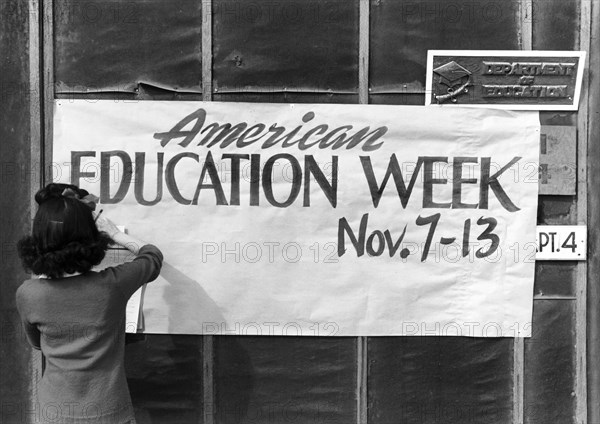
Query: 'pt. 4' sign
x,y
561,243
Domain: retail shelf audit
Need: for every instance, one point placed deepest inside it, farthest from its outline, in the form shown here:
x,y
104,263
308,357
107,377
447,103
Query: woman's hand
x,y
128,242
106,225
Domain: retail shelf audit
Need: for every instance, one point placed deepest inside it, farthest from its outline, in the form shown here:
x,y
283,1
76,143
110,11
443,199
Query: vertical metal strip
x,y
581,409
362,372
35,101
518,383
363,98
47,105
363,52
47,89
590,41
208,351
35,139
208,387
525,38
207,50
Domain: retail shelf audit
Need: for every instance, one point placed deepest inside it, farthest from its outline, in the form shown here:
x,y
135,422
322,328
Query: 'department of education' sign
x,y
317,219
517,80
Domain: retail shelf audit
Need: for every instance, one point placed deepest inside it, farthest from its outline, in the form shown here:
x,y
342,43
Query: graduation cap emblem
x,y
452,80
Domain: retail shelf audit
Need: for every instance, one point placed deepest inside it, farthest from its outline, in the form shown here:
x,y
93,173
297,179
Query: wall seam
x,y
581,280
35,134
525,40
208,351
363,52
362,369
592,373
47,91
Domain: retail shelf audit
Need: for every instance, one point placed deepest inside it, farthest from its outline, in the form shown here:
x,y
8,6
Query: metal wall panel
x,y
550,364
427,380
15,179
294,45
557,210
435,380
554,278
285,379
556,24
403,30
164,374
107,45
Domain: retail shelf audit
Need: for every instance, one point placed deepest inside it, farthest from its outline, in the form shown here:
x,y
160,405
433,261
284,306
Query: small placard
x,y
561,243
505,79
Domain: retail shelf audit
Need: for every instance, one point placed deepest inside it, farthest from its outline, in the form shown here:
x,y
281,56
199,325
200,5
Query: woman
x,y
76,316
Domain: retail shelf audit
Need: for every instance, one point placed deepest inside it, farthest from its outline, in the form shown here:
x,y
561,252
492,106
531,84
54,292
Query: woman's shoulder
x,y
30,284
28,290
42,284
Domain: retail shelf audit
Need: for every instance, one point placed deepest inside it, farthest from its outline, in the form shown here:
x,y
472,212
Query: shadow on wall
x,y
165,372
190,307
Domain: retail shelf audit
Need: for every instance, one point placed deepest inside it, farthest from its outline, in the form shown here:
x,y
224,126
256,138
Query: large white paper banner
x,y
320,219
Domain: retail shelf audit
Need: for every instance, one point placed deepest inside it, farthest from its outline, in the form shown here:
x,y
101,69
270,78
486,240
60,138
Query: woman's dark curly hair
x,y
65,238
